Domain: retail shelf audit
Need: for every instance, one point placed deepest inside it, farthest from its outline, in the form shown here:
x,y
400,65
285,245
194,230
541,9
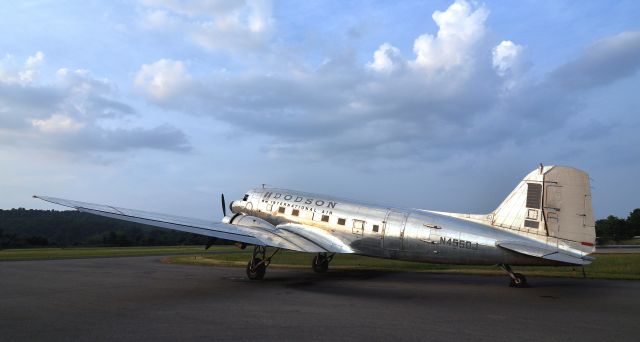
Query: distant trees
x,y
633,221
616,229
38,228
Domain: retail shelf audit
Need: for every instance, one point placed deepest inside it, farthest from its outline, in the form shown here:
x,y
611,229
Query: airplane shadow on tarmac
x,y
406,285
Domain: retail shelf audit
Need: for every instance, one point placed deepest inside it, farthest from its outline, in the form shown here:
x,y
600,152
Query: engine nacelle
x,y
251,221
236,207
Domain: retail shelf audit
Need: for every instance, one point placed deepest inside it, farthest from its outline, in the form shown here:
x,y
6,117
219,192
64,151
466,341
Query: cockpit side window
x,y
246,197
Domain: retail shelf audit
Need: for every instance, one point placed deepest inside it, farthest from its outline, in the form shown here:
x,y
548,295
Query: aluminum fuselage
x,y
386,232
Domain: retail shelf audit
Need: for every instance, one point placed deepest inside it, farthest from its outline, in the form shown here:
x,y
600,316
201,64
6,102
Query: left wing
x,y
253,234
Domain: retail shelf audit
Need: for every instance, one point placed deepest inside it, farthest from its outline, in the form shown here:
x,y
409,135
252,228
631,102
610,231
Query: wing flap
x,y
321,239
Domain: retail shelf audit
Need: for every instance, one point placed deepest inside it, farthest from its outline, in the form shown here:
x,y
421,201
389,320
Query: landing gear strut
x,y
257,266
517,279
321,262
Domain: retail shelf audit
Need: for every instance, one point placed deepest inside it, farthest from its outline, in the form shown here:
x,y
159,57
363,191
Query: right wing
x,y
252,235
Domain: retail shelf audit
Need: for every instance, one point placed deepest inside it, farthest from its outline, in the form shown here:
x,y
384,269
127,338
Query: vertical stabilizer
x,y
554,201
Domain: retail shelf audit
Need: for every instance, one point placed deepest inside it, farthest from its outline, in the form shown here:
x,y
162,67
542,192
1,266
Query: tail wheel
x,y
320,264
256,269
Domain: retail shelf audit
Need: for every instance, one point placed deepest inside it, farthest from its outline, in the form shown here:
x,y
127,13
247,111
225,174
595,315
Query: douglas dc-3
x,y
546,220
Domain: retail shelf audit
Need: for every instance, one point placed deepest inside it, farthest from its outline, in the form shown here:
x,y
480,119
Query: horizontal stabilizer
x,y
545,252
585,260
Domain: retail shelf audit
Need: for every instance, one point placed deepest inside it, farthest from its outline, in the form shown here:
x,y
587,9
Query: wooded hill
x,y
37,228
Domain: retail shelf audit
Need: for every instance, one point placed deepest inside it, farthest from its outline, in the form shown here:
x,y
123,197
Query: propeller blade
x,y
210,242
224,207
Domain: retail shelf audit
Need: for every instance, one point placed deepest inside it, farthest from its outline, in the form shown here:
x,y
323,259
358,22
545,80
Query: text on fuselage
x,y
299,199
458,243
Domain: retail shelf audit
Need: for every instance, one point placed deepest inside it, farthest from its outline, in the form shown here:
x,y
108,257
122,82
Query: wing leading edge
x,y
246,234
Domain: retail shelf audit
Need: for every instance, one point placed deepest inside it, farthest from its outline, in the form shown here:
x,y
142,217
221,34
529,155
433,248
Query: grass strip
x,y
606,266
89,252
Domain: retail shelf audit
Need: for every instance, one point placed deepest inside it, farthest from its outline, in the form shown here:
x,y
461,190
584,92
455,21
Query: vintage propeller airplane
x,y
546,220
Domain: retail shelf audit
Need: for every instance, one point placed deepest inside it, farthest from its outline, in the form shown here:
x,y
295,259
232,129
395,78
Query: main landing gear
x,y
321,262
259,262
517,279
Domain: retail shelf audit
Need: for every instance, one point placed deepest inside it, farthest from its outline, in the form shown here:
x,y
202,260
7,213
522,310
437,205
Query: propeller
x,y
213,240
210,242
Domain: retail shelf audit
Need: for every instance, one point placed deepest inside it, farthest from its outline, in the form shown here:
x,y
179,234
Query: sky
x,y
162,105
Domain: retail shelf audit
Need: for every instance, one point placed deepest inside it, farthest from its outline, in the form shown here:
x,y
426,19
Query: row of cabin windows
x,y
357,224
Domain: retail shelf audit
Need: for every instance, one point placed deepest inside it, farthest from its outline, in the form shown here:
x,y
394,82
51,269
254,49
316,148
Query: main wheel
x,y
257,272
519,281
320,264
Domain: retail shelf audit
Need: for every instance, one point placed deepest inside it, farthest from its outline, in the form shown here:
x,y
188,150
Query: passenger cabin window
x,y
325,218
375,228
295,212
281,210
341,221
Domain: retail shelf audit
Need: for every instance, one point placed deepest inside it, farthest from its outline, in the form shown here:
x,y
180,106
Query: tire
x,y
320,264
258,272
520,281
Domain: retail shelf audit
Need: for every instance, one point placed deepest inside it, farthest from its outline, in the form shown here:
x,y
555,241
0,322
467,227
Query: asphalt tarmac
x,y
142,299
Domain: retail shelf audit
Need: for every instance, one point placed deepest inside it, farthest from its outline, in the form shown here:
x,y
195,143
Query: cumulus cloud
x,y
507,57
454,49
33,62
447,98
461,28
387,59
231,25
10,73
163,79
68,113
313,109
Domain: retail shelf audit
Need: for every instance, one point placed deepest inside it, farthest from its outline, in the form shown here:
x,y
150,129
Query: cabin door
x,y
394,230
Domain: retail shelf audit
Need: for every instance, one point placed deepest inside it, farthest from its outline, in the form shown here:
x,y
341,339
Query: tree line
x,y
21,228
615,229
